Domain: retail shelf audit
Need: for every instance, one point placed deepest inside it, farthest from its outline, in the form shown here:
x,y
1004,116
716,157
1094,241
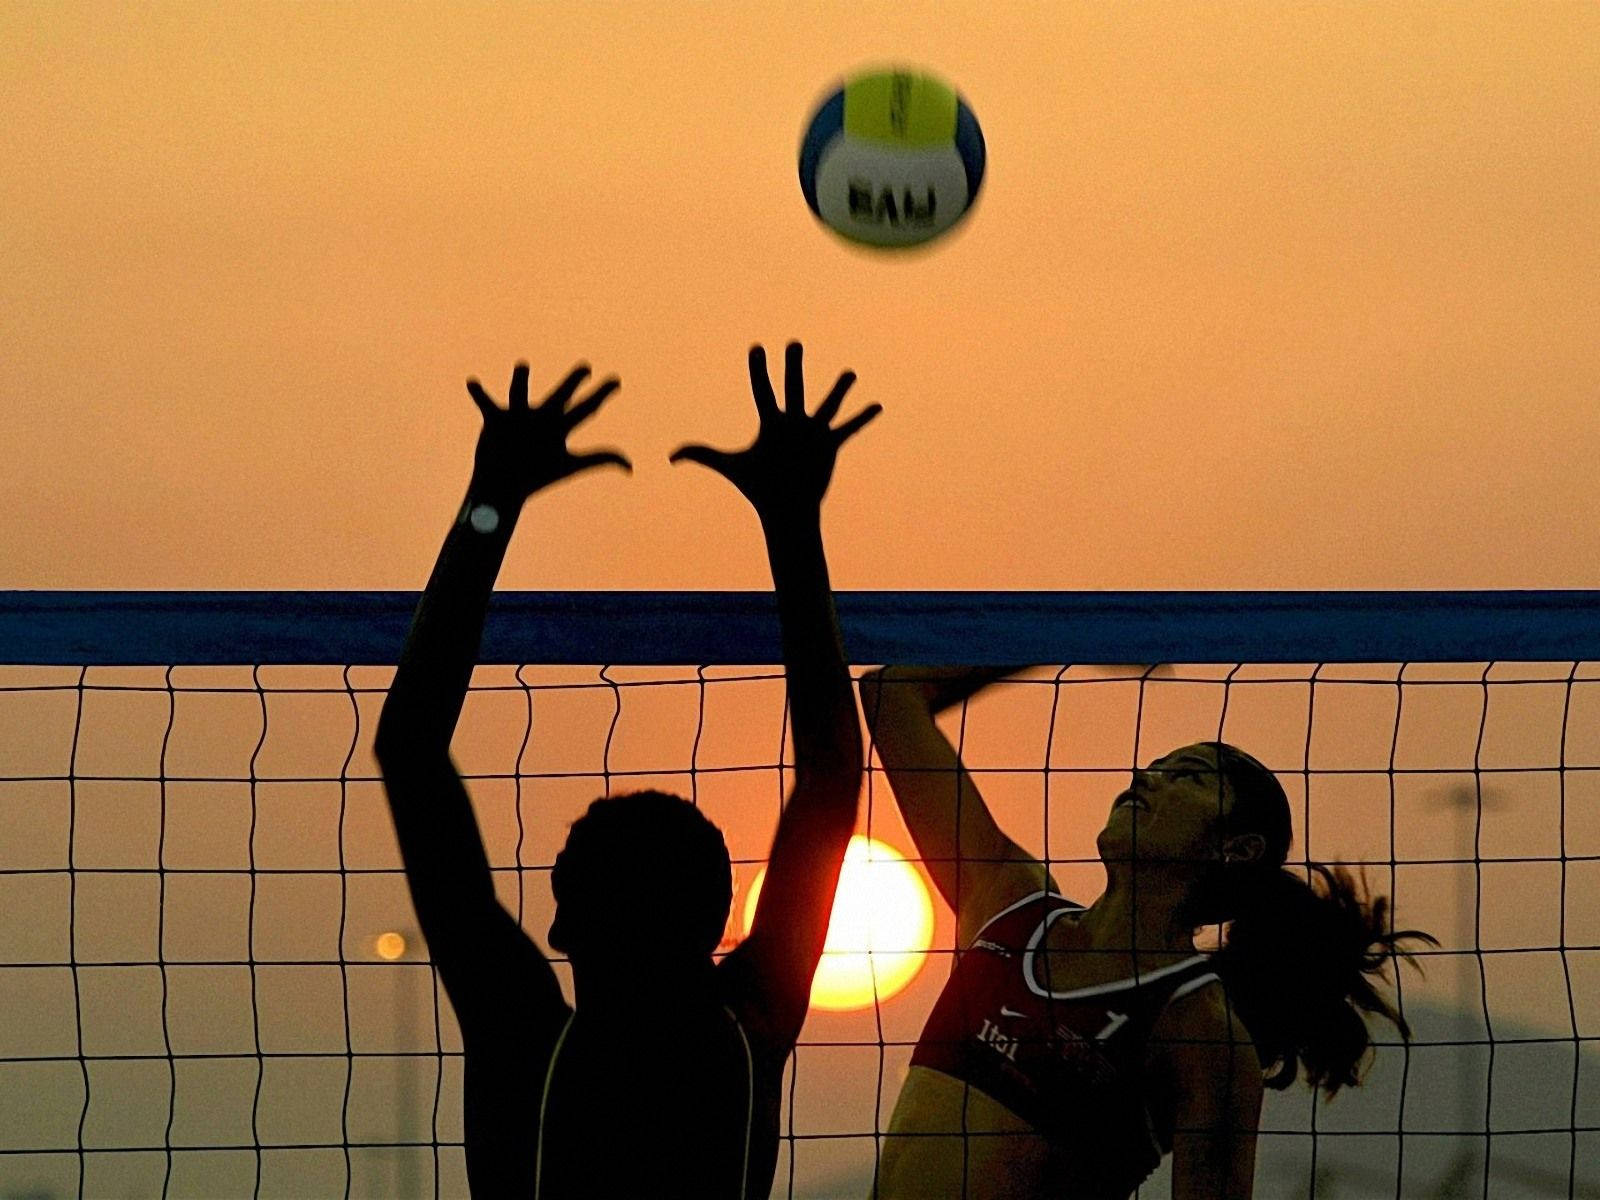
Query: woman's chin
x,y
1117,847
1114,845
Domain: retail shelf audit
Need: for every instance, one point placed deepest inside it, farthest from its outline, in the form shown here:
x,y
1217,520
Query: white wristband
x,y
483,518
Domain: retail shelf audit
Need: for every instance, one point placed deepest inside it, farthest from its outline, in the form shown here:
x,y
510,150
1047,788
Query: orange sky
x,y
1255,295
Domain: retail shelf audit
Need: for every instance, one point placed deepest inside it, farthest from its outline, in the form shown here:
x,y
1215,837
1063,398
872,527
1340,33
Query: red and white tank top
x,y
1070,1062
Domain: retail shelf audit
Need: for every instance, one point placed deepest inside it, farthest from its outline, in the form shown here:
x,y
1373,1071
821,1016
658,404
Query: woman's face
x,y
1171,810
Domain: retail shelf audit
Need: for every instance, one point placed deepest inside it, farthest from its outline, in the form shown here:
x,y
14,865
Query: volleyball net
x,y
212,983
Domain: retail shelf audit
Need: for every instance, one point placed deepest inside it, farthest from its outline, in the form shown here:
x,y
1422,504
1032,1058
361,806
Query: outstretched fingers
x,y
519,387
563,390
719,461
480,397
591,403
794,381
722,461
600,458
761,385
856,423
830,406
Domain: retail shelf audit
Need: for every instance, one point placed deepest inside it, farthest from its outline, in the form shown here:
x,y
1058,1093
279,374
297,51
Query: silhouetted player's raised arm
x,y
784,476
502,989
663,1078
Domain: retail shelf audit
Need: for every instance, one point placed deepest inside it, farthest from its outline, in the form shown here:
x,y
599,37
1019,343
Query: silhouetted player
x,y
1074,1047
663,1081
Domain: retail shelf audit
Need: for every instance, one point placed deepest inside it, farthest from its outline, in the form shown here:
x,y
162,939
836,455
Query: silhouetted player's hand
x,y
786,470
523,449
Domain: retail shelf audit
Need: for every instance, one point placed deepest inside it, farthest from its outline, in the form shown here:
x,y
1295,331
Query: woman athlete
x,y
663,1081
1073,1046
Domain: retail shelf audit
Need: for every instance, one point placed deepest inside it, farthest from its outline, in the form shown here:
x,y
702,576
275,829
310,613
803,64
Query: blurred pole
x,y
394,947
1465,801
405,1094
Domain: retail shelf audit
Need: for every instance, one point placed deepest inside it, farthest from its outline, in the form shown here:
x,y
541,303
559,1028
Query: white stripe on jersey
x,y
1070,906
1120,985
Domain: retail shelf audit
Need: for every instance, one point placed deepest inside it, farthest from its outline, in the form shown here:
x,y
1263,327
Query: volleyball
x,y
893,158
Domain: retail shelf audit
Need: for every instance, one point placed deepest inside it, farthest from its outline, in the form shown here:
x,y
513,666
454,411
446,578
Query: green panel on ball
x,y
901,109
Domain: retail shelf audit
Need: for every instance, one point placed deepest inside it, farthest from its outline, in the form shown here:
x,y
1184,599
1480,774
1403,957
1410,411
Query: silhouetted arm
x,y
976,867
491,969
785,475
791,920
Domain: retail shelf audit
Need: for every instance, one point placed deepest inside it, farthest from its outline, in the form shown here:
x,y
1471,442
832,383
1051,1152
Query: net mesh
x,y
198,864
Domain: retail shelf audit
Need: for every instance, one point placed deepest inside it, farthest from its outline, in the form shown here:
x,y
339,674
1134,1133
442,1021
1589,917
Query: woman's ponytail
x,y
1304,947
1300,960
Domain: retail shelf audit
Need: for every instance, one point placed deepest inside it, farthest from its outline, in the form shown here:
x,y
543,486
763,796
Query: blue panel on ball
x,y
825,126
969,144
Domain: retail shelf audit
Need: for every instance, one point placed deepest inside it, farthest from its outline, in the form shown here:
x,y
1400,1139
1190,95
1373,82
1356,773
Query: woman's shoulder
x,y
1010,888
1200,1026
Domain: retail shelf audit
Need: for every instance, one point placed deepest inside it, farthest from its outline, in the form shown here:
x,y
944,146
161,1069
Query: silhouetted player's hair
x,y
642,855
1301,951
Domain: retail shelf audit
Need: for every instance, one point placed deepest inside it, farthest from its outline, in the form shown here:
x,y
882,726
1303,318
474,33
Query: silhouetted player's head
x,y
643,876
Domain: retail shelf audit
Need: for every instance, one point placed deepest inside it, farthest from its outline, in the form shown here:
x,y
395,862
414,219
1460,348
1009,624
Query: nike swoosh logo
x,y
1010,1012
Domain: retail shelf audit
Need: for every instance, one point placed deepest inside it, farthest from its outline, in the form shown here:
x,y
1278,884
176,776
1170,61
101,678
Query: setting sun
x,y
879,933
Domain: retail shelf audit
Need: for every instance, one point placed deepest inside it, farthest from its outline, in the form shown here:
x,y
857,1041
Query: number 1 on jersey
x,y
1117,1021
